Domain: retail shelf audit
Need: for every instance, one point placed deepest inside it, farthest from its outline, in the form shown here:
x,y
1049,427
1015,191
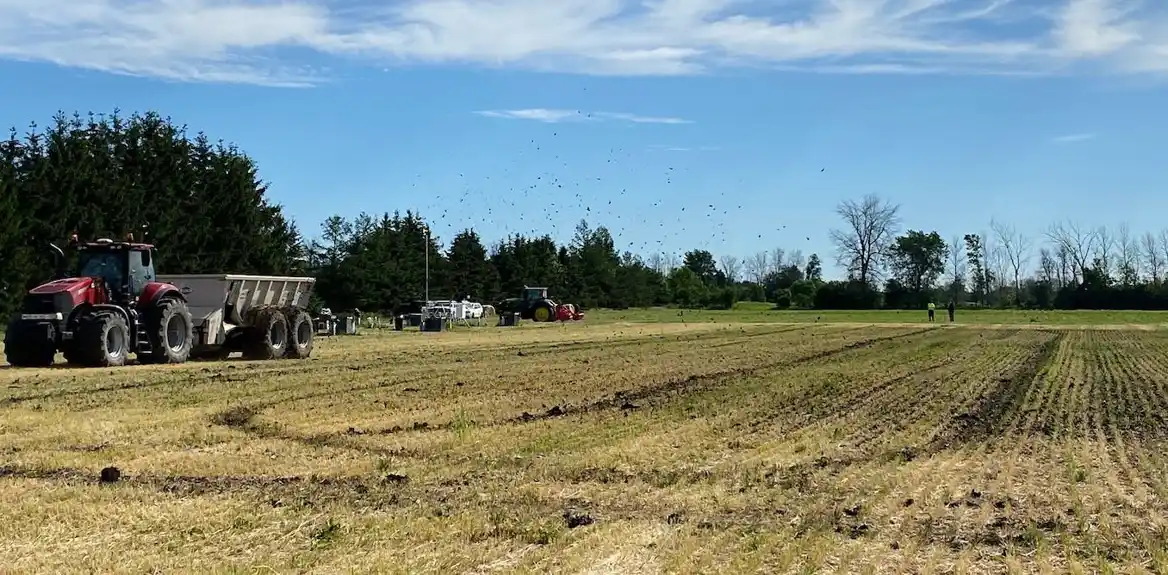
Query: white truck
x,y
265,317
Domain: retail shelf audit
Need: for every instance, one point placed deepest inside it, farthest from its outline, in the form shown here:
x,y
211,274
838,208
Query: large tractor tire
x,y
543,312
301,334
170,331
269,335
102,340
20,350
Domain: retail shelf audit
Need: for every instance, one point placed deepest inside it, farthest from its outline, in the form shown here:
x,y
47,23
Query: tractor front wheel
x,y
102,340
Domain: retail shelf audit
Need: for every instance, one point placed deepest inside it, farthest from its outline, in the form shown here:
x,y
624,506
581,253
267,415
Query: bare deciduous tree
x,y
672,262
1047,268
956,265
778,259
757,267
796,259
1076,244
731,267
656,262
869,228
1129,256
1066,267
1152,257
1105,247
1015,246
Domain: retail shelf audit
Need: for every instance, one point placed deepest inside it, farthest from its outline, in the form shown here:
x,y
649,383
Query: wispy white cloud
x,y
274,42
1072,138
556,116
664,148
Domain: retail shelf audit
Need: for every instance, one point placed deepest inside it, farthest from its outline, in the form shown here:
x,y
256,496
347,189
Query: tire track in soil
x,y
620,341
1130,418
1101,421
990,413
388,492
344,440
228,372
813,410
1044,403
673,388
802,413
916,402
896,413
243,417
643,340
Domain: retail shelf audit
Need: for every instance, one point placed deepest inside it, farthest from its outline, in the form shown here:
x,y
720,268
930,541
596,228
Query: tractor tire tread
x,y
90,340
157,318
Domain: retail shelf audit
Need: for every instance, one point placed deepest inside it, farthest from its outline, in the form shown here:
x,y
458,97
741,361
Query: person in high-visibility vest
x,y
932,311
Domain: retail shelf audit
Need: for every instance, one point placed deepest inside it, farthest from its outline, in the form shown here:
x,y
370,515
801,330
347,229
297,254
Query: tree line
x,y
1067,266
208,211
106,175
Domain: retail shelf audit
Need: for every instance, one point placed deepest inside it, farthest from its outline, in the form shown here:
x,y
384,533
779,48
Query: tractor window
x,y
141,272
109,266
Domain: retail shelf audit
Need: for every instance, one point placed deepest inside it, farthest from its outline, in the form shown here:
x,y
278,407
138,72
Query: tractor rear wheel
x,y
543,312
171,332
269,335
301,332
102,340
20,350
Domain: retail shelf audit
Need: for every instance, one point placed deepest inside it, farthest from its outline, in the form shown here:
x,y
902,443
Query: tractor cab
x,y
532,294
125,267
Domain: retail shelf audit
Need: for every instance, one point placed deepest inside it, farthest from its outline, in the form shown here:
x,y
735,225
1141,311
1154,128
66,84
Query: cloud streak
x,y
557,116
269,42
1073,138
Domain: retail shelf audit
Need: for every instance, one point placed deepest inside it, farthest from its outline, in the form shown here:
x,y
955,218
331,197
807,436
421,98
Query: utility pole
x,y
427,265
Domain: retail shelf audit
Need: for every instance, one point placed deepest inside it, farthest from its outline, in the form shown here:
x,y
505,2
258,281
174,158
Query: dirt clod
x,y
110,475
574,519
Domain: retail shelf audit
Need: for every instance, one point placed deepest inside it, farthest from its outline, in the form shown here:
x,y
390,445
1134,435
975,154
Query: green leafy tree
x,y
918,259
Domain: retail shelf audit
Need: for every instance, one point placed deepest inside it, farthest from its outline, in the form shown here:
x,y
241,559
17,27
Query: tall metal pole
x,y
427,266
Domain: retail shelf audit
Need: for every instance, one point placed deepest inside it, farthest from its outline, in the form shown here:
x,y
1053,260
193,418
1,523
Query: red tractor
x,y
112,307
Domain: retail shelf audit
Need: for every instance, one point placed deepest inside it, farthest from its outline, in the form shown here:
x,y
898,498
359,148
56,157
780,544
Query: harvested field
x,y
617,448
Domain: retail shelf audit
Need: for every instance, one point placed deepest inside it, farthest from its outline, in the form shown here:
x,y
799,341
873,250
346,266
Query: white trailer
x,y
265,317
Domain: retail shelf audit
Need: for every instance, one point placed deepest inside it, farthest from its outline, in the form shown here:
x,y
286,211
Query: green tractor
x,y
533,305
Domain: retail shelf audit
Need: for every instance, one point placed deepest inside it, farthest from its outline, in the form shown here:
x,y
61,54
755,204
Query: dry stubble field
x,y
607,448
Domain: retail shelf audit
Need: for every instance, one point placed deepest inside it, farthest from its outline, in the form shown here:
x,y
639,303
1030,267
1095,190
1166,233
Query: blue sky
x,y
522,116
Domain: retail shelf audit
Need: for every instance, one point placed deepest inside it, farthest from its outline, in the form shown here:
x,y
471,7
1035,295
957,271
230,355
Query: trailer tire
x,y
102,340
22,352
269,335
301,334
170,330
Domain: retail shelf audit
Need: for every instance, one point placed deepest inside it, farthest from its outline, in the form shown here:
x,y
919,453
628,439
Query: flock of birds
x,y
542,203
